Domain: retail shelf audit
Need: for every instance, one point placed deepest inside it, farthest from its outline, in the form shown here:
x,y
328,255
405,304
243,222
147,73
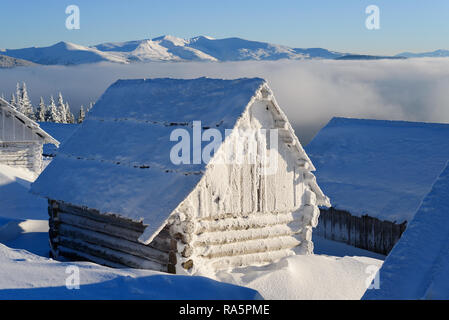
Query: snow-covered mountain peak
x,y
171,40
166,48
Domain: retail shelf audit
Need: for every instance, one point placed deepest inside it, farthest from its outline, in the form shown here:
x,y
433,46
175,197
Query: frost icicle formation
x,y
186,218
417,267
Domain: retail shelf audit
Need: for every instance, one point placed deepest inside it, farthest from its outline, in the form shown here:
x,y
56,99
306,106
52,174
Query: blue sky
x,y
405,25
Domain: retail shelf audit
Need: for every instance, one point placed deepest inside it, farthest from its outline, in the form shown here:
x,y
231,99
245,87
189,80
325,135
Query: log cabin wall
x,y
363,232
26,155
239,216
80,233
19,145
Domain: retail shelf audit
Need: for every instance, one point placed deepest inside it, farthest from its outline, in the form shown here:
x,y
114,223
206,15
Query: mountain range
x,y
433,54
170,48
166,48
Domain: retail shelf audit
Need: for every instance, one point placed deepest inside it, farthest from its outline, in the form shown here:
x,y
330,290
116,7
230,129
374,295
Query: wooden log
x,y
114,243
255,220
172,257
110,255
248,247
82,256
171,268
106,218
187,264
187,251
162,241
183,238
224,237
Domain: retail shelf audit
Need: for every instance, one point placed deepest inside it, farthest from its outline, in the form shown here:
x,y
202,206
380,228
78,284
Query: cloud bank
x,y
310,92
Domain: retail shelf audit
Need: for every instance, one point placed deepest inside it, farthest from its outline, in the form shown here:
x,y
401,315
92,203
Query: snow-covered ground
x,y
336,271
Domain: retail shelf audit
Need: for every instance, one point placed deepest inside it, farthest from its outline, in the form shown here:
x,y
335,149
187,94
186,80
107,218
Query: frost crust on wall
x,y
22,155
239,216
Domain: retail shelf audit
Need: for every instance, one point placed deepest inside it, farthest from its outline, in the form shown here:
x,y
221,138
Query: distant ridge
x,y
433,54
10,62
173,49
368,57
167,48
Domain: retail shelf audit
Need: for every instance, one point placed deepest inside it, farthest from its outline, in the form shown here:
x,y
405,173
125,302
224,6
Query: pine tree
x,y
27,107
52,114
62,112
81,115
18,103
69,115
13,101
40,112
91,104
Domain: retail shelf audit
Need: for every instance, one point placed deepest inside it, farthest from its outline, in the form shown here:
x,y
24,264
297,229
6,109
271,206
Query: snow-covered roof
x,y
380,168
33,126
60,131
417,267
118,161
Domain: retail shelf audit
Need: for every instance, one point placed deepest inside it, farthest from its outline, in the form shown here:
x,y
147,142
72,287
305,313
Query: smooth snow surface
x,y
23,216
380,168
16,202
322,246
418,266
27,276
307,277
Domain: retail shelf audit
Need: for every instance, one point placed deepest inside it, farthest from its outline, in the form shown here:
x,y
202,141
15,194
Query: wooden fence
x,y
363,232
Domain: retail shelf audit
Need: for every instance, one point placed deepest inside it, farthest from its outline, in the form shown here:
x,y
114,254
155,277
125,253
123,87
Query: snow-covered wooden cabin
x,y
116,197
376,172
21,139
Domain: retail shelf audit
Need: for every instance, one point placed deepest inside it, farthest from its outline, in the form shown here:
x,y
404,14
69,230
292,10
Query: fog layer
x,y
310,92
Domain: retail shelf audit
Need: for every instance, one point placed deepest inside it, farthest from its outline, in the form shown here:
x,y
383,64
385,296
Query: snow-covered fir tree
x,y
91,104
27,108
18,103
40,111
13,101
52,114
81,115
69,115
62,112
55,112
